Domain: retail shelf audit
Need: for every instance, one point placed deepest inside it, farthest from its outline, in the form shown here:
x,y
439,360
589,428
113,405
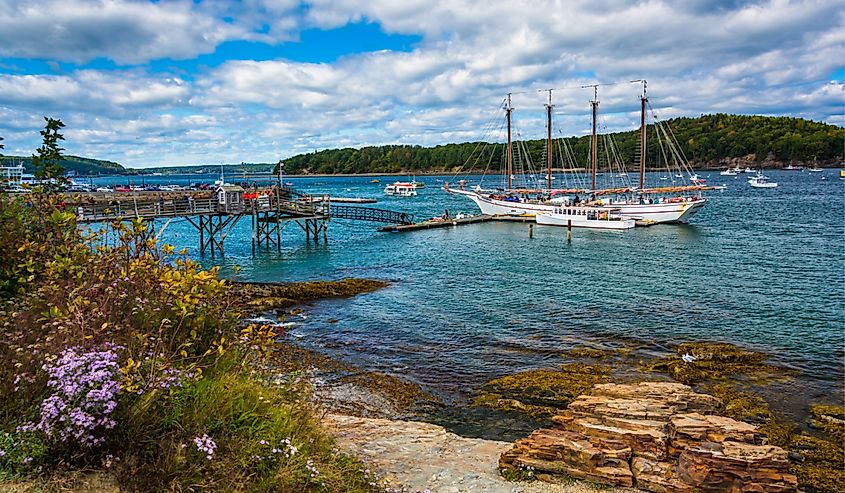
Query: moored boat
x,y
662,205
761,181
401,189
584,217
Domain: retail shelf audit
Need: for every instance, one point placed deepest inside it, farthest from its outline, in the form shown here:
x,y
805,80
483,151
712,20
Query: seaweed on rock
x,y
267,296
541,392
709,361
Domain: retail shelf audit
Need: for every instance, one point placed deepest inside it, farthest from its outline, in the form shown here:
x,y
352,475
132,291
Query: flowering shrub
x,y
115,350
85,386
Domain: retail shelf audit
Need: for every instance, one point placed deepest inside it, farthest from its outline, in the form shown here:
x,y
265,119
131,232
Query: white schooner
x,y
669,204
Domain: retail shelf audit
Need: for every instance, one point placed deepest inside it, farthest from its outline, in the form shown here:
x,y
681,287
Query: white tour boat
x,y
729,172
761,181
401,189
584,217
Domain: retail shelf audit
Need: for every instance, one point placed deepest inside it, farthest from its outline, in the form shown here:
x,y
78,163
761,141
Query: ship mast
x,y
593,140
549,107
643,101
508,111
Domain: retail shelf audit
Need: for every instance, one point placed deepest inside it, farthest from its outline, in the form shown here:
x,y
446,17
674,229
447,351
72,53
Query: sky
x,y
175,82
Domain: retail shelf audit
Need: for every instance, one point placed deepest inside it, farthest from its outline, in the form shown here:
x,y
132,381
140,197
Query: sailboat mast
x,y
594,140
510,150
643,101
549,143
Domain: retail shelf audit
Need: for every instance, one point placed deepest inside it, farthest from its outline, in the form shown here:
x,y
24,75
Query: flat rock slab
x,y
422,456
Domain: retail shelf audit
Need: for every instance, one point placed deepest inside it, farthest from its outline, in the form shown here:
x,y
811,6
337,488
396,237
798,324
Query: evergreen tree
x,y
48,160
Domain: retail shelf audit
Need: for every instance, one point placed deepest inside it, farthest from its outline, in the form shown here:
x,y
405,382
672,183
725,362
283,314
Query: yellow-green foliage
x,y
714,361
540,392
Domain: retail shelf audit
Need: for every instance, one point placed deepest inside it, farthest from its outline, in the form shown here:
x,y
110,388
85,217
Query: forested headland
x,y
709,141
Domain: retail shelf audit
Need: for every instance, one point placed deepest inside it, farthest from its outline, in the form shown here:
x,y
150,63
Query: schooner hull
x,y
666,212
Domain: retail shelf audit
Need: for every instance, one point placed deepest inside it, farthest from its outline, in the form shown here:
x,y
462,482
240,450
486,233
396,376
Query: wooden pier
x,y
448,223
214,214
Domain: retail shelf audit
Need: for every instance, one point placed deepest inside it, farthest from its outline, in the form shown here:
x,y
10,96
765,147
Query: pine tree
x,y
48,160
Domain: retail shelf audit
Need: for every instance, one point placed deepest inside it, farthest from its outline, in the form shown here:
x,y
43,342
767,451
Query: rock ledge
x,y
655,436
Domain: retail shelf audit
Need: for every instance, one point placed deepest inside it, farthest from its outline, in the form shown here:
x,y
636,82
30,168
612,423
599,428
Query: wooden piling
x,y
569,230
530,230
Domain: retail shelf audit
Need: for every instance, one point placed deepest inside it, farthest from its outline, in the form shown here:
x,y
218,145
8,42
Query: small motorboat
x,y
728,172
761,181
749,170
401,189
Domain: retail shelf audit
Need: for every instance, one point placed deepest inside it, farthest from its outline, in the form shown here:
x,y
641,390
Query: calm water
x,y
759,268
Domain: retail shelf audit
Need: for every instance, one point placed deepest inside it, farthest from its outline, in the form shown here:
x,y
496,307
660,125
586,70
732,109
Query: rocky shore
x,y
657,436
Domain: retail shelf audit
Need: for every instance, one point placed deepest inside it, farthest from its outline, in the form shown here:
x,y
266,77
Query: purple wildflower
x,y
85,385
205,445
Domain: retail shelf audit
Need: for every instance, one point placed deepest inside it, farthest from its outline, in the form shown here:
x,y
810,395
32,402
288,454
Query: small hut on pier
x,y
230,198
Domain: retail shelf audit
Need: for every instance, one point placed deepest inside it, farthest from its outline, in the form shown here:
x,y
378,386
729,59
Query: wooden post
x,y
530,230
278,235
202,235
569,230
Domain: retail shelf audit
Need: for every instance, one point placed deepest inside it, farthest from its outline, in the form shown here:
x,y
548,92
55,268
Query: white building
x,y
12,175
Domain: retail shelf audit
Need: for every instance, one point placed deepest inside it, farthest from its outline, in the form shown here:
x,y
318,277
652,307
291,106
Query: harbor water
x,y
760,268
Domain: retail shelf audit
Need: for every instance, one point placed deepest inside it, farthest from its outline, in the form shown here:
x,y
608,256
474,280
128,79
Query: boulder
x,y
680,397
645,438
691,430
584,457
657,436
736,467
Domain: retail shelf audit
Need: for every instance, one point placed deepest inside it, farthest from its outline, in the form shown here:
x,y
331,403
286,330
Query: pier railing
x,y
190,205
371,214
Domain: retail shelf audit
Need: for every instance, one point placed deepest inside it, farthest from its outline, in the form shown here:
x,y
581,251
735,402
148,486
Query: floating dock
x,y
447,223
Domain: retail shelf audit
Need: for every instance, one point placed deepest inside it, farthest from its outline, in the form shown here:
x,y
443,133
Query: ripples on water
x,y
759,268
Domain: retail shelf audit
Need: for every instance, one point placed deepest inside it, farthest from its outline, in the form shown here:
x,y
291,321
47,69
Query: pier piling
x,y
569,231
530,230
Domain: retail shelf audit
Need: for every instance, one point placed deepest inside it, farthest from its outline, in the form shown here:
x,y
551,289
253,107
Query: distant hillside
x,y
707,141
81,165
210,168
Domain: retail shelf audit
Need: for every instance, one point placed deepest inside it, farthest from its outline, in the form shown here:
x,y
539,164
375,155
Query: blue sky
x,y
182,82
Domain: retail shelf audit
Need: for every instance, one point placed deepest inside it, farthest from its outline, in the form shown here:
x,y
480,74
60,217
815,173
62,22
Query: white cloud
x,y
771,57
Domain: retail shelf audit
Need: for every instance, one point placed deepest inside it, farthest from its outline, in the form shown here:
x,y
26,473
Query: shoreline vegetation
x,y
124,357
